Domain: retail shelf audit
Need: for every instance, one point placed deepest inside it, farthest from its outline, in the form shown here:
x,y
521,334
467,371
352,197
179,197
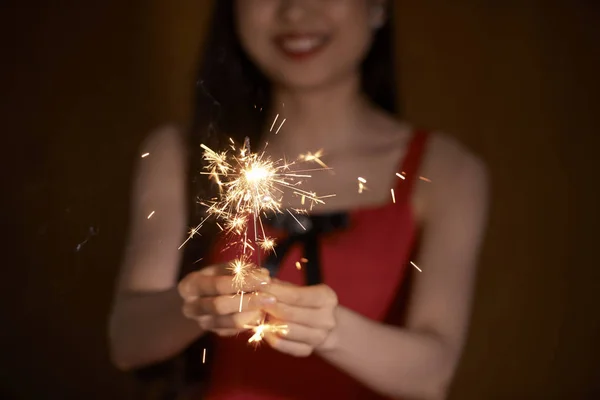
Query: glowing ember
x,y
241,268
261,329
316,157
361,184
267,244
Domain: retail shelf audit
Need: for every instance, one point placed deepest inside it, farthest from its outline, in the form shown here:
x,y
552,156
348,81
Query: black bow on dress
x,y
304,229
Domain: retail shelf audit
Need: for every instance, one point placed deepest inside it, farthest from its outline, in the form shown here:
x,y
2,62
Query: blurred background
x,y
82,83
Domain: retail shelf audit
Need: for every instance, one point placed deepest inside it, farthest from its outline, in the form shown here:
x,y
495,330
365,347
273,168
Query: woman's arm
x,y
419,361
146,324
147,327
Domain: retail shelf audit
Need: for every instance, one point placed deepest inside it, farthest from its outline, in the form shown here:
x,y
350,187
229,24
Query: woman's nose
x,y
297,10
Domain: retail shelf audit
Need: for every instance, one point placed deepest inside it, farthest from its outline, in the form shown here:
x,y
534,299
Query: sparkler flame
x,y
250,184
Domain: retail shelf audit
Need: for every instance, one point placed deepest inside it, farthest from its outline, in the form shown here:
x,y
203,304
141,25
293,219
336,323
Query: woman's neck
x,y
322,118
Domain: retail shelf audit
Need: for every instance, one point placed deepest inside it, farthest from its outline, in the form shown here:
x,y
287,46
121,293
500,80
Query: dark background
x,y
82,83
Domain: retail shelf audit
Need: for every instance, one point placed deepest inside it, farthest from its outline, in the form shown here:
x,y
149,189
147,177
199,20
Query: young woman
x,y
326,67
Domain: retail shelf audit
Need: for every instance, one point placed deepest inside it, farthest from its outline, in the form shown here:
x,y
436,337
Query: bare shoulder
x,y
450,162
457,175
446,155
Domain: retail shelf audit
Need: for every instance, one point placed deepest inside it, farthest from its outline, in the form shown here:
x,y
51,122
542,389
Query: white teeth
x,y
301,44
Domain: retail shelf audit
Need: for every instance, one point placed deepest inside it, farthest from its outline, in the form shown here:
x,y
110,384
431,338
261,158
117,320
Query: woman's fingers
x,y
224,305
317,296
237,321
227,332
303,334
282,344
294,339
227,325
210,282
315,318
231,322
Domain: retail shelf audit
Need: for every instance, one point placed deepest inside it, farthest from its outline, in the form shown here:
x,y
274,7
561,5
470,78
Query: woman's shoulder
x,y
449,159
455,174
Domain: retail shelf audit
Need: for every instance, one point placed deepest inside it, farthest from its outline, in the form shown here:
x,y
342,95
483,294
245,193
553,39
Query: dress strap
x,y
409,170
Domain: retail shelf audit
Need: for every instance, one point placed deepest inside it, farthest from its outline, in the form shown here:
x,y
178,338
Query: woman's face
x,y
307,43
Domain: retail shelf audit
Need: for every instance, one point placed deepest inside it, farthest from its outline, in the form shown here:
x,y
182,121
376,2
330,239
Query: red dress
x,y
365,264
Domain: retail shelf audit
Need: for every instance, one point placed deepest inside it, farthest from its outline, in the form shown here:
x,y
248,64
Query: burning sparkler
x,y
251,184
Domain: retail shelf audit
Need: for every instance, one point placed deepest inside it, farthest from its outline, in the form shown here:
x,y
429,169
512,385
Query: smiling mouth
x,y
301,46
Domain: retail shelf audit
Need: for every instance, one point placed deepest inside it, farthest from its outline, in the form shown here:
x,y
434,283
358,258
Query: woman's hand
x,y
309,313
211,298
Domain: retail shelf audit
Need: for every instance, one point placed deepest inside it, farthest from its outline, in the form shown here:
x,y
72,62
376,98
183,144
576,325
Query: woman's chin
x,y
301,85
300,82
